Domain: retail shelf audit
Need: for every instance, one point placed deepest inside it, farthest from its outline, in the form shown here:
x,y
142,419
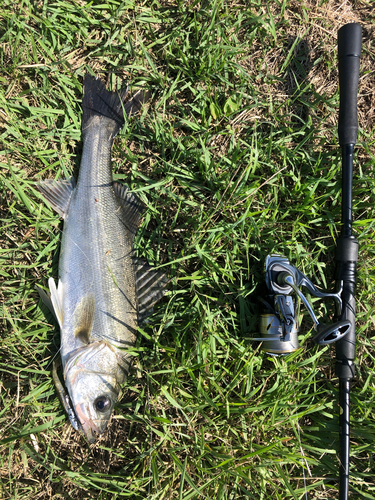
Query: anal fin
x,y
150,285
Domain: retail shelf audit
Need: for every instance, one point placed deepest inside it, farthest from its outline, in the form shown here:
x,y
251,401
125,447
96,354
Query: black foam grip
x,y
349,48
345,369
345,348
347,249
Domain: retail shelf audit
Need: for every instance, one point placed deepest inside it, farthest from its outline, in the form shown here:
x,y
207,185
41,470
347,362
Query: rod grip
x,y
349,51
345,348
346,257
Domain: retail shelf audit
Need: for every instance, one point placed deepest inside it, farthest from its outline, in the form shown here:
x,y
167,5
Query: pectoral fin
x,y
84,318
150,285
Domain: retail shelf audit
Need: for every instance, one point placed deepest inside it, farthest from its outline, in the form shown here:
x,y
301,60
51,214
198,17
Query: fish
x,y
103,292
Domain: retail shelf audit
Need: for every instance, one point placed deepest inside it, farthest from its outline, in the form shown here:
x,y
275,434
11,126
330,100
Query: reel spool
x,y
279,325
271,331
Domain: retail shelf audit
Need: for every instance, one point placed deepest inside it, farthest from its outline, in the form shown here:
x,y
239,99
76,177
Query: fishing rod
x,y
349,48
279,324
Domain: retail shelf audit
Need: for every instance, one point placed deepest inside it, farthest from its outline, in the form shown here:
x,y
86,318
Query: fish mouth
x,y
91,431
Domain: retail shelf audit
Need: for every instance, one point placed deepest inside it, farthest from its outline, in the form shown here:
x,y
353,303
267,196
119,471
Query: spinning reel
x,y
279,325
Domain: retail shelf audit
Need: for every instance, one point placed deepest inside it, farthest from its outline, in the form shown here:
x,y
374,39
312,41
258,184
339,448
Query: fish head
x,y
93,398
92,378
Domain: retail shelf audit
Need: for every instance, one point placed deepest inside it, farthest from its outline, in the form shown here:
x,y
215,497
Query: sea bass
x,y
103,292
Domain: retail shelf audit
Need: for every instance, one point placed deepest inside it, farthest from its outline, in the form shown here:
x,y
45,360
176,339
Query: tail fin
x,y
98,101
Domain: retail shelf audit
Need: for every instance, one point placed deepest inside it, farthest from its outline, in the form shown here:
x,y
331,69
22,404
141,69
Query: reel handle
x,y
349,50
332,333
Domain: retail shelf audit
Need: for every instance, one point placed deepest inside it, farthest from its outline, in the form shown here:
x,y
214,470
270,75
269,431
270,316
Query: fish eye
x,y
102,403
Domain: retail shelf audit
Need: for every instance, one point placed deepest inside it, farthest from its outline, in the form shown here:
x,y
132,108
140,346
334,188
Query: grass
x,y
236,157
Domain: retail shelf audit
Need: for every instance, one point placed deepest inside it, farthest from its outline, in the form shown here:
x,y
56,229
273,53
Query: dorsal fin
x,y
150,286
131,204
57,193
83,318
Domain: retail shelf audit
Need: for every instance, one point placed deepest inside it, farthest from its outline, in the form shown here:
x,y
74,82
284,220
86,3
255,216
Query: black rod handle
x,y
345,347
349,45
